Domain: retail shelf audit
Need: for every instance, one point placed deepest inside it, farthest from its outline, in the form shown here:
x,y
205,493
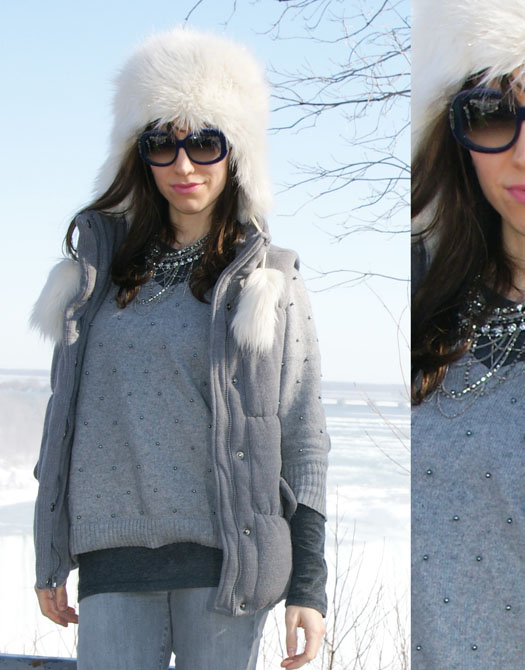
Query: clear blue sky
x,y
58,60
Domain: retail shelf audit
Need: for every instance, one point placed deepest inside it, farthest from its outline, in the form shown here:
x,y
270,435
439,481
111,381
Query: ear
x,y
62,285
254,321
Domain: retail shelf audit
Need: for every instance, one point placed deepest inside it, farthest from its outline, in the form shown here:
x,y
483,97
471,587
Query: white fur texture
x,y
59,290
453,39
254,321
253,324
196,79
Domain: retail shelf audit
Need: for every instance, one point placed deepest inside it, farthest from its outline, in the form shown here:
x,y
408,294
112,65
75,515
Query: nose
x,y
518,149
182,163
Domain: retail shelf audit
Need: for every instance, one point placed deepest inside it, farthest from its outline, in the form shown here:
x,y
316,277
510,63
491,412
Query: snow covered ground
x,y
367,538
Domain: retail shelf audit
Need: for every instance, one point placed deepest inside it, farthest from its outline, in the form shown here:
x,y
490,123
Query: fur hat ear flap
x,y
254,321
62,285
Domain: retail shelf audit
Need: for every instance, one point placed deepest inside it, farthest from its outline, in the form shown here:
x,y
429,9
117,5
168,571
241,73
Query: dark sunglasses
x,y
485,120
204,147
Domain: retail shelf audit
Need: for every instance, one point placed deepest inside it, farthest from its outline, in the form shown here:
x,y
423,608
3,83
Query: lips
x,y
185,188
517,191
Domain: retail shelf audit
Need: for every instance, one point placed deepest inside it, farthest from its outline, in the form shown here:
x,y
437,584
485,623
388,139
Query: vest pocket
x,y
288,499
274,560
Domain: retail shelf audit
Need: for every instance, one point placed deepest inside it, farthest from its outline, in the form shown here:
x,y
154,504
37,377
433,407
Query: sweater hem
x,y
151,533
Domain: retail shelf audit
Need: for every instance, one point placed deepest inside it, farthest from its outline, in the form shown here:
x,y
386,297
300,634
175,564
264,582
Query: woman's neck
x,y
189,228
514,245
517,292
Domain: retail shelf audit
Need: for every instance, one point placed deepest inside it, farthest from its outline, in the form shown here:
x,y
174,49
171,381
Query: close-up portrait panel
x,y
468,335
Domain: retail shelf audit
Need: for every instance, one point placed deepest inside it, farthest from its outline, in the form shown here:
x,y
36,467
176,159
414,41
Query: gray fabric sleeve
x,y
305,443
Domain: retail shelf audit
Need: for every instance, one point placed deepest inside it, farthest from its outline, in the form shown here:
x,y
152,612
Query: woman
x,y
184,450
468,335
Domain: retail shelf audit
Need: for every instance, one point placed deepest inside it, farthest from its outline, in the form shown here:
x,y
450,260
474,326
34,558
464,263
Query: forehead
x,y
178,129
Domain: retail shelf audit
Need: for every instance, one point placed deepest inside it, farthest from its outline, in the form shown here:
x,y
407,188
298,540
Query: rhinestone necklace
x,y
497,339
171,267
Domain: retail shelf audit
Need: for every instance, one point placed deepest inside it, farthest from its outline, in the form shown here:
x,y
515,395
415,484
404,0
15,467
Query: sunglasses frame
x,y
177,144
456,125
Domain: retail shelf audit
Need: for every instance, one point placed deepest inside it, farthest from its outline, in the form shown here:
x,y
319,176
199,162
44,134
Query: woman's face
x,y
190,189
502,180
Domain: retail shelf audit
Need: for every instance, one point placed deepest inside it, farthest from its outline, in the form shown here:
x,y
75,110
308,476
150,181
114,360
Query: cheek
x,y
158,174
488,170
221,174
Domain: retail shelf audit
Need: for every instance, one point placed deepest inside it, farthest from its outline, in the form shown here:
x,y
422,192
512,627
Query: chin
x,y
513,231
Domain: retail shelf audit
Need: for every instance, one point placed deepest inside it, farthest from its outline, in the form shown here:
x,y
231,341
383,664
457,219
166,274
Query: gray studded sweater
x,y
140,474
468,525
141,470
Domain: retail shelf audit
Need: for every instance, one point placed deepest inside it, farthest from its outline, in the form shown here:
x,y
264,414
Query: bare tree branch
x,y
367,88
360,277
352,87
187,17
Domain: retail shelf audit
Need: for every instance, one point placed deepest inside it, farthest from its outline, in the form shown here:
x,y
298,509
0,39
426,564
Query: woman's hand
x,y
314,629
53,605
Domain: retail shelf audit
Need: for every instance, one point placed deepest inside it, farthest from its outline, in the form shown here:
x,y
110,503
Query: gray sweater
x,y
468,539
268,439
123,415
141,471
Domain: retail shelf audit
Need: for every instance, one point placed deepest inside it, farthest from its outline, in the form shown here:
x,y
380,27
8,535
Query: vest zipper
x,y
232,482
232,269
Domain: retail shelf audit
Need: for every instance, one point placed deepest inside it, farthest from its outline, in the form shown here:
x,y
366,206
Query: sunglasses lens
x,y
205,147
487,121
158,149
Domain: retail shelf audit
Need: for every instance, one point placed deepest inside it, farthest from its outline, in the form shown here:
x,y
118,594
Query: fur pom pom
x,y
254,321
60,288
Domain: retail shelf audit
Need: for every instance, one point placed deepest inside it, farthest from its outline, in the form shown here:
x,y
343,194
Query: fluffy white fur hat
x,y
454,39
198,79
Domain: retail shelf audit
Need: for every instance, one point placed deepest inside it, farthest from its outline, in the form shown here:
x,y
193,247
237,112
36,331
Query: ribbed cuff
x,y
308,482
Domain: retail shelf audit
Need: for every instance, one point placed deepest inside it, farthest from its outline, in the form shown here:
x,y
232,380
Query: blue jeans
x,y
138,631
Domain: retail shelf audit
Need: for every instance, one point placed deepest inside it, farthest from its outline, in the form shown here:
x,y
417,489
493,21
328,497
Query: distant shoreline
x,y
337,396
30,372
326,384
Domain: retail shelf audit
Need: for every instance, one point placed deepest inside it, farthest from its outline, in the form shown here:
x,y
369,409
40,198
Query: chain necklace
x,y
171,267
497,339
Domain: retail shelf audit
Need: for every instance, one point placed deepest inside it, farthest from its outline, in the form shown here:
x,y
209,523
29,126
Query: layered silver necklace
x,y
170,267
497,340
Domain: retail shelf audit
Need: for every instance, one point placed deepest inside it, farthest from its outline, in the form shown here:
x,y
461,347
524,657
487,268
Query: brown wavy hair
x,y
467,252
147,212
